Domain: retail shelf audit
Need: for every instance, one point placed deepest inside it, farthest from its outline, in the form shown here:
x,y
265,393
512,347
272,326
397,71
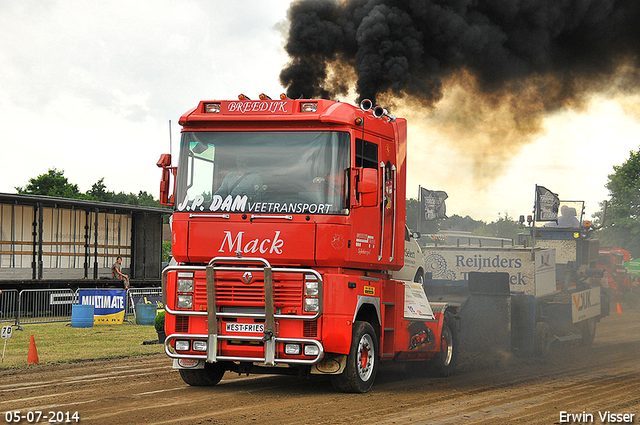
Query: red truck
x,y
290,241
612,261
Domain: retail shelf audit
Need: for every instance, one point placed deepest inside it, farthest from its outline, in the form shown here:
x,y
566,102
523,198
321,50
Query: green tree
x,y
622,225
462,224
504,227
53,183
98,192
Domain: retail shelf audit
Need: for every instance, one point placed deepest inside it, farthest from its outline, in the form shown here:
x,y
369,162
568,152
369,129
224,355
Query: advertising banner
x,y
531,272
585,304
108,305
147,298
416,304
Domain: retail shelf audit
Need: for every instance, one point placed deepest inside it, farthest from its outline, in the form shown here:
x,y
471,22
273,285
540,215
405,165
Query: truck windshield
x,y
569,215
263,172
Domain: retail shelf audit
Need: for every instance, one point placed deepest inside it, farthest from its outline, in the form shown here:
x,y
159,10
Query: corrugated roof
x,y
19,199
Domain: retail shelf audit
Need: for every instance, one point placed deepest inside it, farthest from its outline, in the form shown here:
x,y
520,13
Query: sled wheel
x,y
207,377
445,361
588,331
541,339
362,361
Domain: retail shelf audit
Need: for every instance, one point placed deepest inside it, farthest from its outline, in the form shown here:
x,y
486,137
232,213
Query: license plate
x,y
245,327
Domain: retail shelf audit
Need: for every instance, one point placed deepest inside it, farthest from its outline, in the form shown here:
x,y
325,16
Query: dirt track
x,y
145,390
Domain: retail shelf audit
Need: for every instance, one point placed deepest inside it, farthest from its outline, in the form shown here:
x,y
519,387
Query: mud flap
x,y
332,364
486,315
523,324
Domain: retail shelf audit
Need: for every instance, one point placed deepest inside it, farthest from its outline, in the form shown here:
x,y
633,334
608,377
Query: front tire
x,y
362,361
207,377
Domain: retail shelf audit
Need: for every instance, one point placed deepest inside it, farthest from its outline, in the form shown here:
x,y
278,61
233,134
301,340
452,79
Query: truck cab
x,y
291,246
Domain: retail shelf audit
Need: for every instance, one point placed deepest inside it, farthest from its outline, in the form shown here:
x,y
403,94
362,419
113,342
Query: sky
x,y
90,88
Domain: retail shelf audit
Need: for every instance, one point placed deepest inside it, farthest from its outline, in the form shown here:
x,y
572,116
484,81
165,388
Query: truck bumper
x,y
271,354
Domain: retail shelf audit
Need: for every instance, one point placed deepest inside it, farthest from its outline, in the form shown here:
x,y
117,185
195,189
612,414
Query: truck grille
x,y
232,291
182,324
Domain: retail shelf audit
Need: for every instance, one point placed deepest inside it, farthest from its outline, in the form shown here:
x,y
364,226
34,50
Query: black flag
x,y
547,204
432,202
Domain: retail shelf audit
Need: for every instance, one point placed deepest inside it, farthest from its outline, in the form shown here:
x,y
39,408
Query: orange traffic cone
x,y
32,356
619,310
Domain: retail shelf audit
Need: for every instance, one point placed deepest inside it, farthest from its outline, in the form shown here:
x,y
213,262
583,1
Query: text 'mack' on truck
x,y
289,234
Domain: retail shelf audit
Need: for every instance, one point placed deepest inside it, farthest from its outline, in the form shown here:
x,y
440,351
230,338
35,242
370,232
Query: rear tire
x,y
207,377
362,361
588,331
541,339
419,278
445,361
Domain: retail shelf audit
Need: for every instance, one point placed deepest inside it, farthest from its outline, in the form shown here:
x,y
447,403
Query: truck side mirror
x,y
167,170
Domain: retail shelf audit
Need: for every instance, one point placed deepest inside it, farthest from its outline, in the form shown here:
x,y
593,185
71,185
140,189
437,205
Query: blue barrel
x,y
145,313
81,316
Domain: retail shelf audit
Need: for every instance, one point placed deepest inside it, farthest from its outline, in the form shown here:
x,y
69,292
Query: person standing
x,y
116,272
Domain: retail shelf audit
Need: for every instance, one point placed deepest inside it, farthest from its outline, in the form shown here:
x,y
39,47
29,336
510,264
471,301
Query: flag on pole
x,y
433,206
547,204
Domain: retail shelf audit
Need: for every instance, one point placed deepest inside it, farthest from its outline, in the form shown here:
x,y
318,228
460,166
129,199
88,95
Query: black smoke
x,y
410,49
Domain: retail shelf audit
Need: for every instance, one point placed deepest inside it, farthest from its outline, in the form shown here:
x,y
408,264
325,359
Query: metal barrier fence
x,y
9,306
45,305
55,305
142,295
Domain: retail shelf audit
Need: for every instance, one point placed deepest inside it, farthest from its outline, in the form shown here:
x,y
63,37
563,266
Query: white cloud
x,y
89,87
573,157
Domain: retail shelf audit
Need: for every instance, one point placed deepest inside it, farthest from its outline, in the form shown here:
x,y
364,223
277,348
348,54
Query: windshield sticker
x,y
259,106
299,207
241,204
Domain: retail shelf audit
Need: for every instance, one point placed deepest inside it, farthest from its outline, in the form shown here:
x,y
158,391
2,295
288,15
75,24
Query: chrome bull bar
x,y
217,358
269,337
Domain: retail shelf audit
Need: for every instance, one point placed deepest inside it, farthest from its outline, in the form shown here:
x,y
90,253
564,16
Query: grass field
x,y
57,342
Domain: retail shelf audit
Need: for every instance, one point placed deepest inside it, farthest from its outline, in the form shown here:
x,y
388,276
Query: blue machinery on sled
x,y
522,299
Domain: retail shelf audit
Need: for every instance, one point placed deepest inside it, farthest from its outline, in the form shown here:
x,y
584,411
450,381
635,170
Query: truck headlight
x,y
185,285
311,304
311,350
292,349
182,345
311,288
185,301
199,345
